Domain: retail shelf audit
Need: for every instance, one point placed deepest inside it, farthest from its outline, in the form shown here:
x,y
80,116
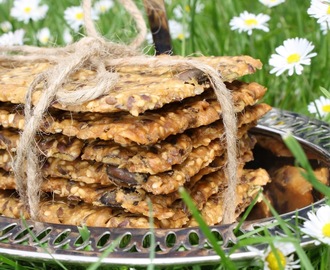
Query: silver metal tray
x,y
174,246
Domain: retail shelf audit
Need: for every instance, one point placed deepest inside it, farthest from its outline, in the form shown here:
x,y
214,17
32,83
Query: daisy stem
x,y
192,32
286,227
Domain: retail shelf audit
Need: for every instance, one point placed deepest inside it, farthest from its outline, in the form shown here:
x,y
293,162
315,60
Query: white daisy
x,y
67,37
177,30
103,6
74,17
318,225
180,10
13,38
320,9
149,38
43,35
281,257
271,3
6,26
320,106
290,56
246,22
24,11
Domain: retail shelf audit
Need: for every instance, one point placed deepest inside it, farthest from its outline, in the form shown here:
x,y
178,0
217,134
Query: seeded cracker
x,y
163,155
148,128
133,92
251,183
60,211
143,159
50,145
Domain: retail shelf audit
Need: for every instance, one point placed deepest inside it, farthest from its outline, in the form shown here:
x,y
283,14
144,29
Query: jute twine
x,y
94,52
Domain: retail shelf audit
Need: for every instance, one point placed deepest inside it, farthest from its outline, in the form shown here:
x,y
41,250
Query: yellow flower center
x,y
180,36
272,260
293,58
251,22
27,9
79,16
187,8
326,227
326,108
44,39
328,10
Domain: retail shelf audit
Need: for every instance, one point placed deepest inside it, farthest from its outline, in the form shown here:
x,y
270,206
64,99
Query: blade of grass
x,y
247,211
10,263
105,254
325,92
37,240
296,242
152,237
205,229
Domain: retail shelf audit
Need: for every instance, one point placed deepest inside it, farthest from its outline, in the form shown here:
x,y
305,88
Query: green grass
x,y
210,34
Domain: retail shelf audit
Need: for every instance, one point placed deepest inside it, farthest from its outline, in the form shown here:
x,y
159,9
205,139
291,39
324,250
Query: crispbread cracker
x,y
148,128
136,91
61,211
5,160
204,134
135,201
50,145
230,67
162,155
143,159
150,159
167,182
251,183
92,172
132,200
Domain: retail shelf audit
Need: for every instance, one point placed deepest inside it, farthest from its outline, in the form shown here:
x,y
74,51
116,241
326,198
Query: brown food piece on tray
x,y
278,148
148,128
290,191
61,211
135,92
50,145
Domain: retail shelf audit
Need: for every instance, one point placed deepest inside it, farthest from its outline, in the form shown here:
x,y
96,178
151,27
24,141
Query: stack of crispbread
x,y
158,130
